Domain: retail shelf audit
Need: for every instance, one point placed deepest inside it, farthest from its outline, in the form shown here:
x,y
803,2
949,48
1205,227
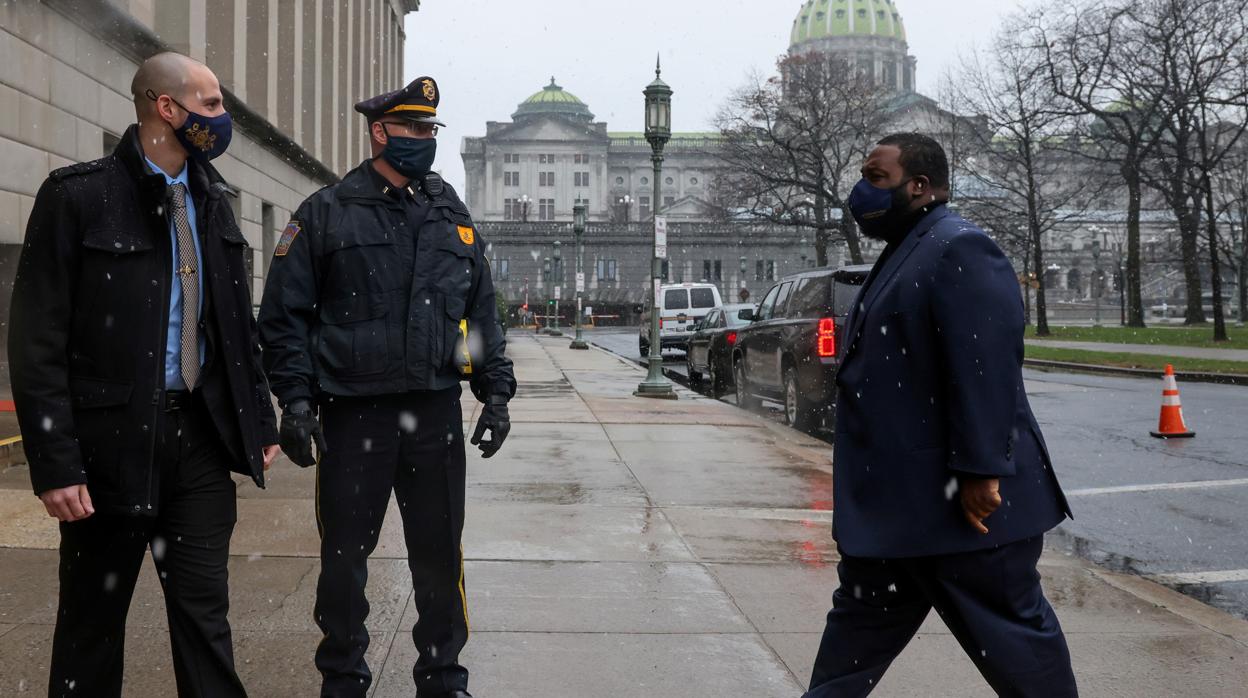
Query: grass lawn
x,y
1145,361
1199,336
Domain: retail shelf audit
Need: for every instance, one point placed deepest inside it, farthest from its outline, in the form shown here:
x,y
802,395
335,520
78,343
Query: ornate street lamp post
x,y
557,281
658,131
578,229
626,203
744,292
1096,279
547,275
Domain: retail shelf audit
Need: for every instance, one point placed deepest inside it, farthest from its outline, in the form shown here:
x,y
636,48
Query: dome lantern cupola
x,y
868,34
553,100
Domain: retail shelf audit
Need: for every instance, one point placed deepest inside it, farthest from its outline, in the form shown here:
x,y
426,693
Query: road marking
x,y
1209,577
12,440
1156,487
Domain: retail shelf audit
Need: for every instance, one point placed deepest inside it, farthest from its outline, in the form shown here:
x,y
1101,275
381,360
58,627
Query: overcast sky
x,y
489,55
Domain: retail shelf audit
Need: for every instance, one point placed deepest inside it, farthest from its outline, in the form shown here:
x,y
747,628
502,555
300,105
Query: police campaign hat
x,y
416,102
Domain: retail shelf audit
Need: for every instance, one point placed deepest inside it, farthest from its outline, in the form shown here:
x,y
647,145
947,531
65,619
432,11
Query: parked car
x,y
681,307
791,352
709,354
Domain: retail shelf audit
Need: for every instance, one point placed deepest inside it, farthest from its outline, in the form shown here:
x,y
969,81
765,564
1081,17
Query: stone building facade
x,y
291,71
553,154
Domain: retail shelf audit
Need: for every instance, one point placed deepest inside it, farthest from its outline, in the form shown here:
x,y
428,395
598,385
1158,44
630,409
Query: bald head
x,y
172,77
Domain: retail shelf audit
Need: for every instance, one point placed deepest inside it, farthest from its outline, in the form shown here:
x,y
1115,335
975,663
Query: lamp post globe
x,y
579,214
658,130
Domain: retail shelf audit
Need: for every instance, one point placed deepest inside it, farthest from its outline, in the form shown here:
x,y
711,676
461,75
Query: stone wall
x,y
65,73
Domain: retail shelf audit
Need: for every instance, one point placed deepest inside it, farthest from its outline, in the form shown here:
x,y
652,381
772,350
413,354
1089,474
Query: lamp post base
x,y
554,333
578,344
662,391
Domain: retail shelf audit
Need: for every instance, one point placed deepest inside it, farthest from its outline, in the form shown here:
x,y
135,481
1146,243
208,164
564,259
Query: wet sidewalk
x,y
617,547
1154,349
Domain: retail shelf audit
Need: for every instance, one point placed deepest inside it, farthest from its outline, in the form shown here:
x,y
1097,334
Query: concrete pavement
x,y
616,547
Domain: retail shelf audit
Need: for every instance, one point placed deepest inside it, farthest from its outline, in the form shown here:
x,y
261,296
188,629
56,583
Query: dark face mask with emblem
x,y
203,137
410,157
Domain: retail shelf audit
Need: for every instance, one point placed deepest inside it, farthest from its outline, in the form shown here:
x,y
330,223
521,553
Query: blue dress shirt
x,y
173,340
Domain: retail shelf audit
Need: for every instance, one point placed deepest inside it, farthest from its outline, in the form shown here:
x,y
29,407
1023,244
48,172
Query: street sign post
x,y
660,237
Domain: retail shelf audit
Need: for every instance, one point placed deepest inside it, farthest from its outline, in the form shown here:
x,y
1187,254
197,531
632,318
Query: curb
x,y
1191,601
12,452
1185,376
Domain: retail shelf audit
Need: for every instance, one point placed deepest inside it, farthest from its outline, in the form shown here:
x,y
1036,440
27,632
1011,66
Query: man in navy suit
x,y
943,485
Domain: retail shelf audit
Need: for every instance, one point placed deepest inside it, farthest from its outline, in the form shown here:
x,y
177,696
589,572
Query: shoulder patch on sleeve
x,y
466,234
289,233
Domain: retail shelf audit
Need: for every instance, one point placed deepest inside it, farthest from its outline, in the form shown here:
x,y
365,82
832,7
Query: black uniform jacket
x,y
369,292
90,320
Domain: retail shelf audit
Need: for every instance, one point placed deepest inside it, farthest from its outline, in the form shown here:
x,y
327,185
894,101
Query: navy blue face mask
x,y
203,137
410,157
878,211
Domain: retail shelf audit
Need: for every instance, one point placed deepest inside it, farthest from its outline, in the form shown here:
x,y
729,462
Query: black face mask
x,y
410,157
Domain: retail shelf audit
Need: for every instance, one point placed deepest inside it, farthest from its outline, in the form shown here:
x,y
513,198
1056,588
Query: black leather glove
x,y
495,418
299,429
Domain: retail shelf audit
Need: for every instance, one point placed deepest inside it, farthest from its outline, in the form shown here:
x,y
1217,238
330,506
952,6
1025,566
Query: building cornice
x,y
135,41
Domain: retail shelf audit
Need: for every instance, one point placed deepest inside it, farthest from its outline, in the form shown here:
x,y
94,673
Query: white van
x,y
681,307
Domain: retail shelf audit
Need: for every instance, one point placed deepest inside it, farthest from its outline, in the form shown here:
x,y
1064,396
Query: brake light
x,y
827,337
732,338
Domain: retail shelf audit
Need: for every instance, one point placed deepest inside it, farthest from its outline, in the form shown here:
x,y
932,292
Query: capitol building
x,y
523,176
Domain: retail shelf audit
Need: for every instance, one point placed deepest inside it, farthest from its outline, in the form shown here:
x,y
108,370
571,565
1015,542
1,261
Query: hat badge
x,y
428,90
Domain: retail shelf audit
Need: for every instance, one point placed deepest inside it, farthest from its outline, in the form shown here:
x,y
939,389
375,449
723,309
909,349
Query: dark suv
x,y
790,353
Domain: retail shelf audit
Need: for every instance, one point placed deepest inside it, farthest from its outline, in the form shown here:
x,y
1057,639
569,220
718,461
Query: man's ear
x,y
378,131
166,110
920,185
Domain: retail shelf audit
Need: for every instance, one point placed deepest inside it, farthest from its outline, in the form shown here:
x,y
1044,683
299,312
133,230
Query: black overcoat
x,y
89,322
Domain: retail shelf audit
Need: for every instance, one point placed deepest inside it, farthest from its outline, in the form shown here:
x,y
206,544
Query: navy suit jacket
x,y
931,388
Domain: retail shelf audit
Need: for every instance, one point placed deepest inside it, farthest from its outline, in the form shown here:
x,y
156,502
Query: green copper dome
x,y
553,100
821,19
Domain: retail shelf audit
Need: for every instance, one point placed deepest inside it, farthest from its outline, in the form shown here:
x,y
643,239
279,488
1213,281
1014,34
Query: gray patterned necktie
x,y
187,275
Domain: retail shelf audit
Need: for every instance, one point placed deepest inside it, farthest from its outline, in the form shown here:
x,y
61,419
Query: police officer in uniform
x,y
379,302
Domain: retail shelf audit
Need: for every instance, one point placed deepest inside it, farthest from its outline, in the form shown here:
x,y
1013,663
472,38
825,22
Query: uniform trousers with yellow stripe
x,y
413,444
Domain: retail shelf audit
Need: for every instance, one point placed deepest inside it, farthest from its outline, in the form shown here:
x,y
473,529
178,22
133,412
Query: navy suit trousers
x,y
991,600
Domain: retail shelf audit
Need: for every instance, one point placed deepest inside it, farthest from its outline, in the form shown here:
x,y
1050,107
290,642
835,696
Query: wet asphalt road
x,y
1175,511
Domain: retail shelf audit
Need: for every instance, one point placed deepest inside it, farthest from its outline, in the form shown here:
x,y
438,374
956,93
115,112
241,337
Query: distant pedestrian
x,y
943,486
379,303
138,382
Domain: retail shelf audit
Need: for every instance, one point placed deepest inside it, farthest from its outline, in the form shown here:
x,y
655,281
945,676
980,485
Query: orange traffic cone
x,y
1171,425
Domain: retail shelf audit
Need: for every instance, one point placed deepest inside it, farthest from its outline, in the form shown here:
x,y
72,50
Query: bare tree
x,y
1170,169
1217,54
792,146
1101,59
1231,192
1012,160
1199,50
